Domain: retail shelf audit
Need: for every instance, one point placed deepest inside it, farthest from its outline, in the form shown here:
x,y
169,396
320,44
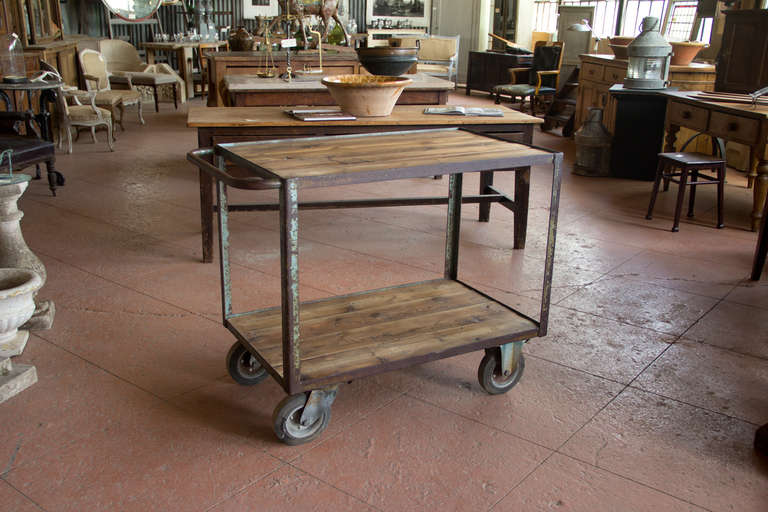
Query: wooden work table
x,y
184,56
252,91
745,124
223,64
235,124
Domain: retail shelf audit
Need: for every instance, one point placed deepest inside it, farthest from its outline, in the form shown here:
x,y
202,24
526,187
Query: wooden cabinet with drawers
x,y
60,54
743,64
599,72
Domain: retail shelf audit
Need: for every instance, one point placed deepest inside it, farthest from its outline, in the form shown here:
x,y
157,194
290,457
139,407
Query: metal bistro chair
x,y
679,166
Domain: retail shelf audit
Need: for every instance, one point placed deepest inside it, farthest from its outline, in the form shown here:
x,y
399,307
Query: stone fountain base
x,y
14,346
15,378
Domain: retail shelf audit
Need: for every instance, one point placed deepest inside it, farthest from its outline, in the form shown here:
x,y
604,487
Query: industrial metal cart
x,y
312,347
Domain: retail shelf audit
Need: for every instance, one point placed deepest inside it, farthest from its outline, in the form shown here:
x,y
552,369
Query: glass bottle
x,y
12,59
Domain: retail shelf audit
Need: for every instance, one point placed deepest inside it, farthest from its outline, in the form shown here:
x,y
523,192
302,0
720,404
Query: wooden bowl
x,y
620,51
683,53
366,95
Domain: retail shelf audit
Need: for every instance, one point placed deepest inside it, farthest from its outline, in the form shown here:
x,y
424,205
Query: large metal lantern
x,y
649,55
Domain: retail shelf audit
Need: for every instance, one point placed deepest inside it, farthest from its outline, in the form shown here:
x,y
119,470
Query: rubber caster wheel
x,y
490,376
286,421
243,367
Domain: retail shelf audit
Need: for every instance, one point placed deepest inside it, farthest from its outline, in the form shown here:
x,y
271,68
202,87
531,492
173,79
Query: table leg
x,y
150,52
44,117
185,66
754,160
761,187
486,181
671,137
206,215
522,192
758,262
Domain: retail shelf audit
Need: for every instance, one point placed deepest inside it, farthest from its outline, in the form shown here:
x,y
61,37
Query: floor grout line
x,y
36,504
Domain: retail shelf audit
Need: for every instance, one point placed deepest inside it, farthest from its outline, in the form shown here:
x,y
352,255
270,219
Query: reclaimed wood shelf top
x,y
253,83
695,98
343,335
348,159
695,67
217,117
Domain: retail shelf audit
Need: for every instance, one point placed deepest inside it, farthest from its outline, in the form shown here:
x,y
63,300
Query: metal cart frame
x,y
311,395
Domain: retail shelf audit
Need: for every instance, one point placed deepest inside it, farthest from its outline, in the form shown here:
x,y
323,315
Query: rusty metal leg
x,y
486,181
549,261
206,215
289,278
522,193
226,278
510,356
454,226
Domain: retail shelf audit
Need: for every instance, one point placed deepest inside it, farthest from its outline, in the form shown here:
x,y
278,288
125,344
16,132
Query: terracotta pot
x,y
621,40
241,41
366,95
683,53
620,51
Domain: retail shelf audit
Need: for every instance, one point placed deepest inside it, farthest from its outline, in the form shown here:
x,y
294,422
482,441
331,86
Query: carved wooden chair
x,y
98,80
80,115
539,82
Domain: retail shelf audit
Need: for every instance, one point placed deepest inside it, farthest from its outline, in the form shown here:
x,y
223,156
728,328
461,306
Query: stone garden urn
x,y
14,252
17,289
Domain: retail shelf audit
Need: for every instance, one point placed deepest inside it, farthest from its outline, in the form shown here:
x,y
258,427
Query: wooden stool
x,y
688,164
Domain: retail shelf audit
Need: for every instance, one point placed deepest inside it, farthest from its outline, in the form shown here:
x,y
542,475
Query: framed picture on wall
x,y
415,13
253,8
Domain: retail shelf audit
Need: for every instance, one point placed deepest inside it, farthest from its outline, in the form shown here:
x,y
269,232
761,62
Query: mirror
x,y
133,10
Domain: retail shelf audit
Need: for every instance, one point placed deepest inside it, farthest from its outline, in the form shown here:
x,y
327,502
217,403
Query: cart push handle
x,y
202,158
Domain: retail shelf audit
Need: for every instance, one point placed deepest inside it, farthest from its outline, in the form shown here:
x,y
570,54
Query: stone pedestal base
x,y
14,346
42,318
15,378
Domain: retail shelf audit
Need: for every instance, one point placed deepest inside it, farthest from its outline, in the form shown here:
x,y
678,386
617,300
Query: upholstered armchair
x,y
123,60
98,80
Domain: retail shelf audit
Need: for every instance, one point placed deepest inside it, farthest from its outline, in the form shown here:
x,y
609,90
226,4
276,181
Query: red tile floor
x,y
644,396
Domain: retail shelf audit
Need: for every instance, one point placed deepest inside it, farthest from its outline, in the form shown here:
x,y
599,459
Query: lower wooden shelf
x,y
384,329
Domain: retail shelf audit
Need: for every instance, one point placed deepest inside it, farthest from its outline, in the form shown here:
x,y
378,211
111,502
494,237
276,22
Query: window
x,y
682,15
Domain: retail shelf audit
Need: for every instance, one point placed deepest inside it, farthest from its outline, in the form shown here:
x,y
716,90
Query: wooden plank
x,y
334,156
349,305
332,335
219,117
343,335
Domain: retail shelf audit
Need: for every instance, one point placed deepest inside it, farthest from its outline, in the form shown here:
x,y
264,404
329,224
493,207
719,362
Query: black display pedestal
x,y
638,133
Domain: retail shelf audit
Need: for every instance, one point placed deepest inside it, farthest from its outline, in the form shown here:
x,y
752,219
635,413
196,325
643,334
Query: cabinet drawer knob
x,y
733,126
686,114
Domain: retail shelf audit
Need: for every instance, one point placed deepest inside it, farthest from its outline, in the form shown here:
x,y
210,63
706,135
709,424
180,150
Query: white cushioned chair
x,y
123,60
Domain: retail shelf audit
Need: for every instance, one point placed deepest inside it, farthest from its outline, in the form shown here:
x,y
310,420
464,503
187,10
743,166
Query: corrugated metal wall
x,y
226,13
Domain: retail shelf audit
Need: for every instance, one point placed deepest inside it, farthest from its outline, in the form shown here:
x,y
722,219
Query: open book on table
x,y
458,110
